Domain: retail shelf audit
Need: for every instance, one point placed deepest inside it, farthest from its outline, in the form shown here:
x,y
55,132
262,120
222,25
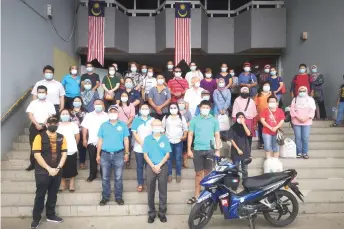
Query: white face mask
x,y
232,73
224,69
193,68
49,76
178,74
144,112
222,84
74,71
205,111
197,84
124,99
266,88
113,116
206,97
173,111
89,69
272,105
133,69
266,70
238,121
181,106
208,75
161,81
170,66
87,86
41,96
112,72
247,69
157,129
150,74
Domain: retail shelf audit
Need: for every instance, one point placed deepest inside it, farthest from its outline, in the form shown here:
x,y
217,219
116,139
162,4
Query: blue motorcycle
x,y
265,194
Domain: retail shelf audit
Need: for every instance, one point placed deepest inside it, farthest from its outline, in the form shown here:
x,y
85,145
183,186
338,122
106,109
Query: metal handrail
x,y
15,105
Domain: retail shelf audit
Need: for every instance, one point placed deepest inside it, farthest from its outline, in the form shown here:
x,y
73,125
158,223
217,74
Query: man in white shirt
x,y
39,111
56,91
193,96
90,127
194,72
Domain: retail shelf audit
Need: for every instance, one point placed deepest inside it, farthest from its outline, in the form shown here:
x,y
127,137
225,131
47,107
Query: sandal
x,y
62,188
127,165
305,157
140,188
335,125
192,200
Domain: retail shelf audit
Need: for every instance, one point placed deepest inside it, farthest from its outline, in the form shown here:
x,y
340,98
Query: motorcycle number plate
x,y
224,202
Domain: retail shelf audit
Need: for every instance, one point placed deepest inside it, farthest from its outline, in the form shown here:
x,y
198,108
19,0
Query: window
x,y
146,4
129,4
218,5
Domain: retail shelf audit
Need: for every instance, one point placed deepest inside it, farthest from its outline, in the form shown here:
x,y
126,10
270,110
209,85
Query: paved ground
x,y
333,221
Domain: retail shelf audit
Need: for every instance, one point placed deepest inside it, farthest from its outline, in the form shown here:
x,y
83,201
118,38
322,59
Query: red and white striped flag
x,y
96,13
182,32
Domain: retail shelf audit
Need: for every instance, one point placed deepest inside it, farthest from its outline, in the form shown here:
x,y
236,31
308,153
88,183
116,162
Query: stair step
x,y
185,185
141,209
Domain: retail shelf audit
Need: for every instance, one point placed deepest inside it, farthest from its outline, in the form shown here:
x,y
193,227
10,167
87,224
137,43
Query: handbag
x,y
280,138
283,89
224,124
109,96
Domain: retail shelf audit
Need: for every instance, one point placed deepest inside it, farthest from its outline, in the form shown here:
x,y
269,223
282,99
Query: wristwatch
x,y
126,153
58,167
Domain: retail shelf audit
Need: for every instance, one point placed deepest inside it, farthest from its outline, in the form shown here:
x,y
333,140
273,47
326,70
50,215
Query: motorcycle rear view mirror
x,y
248,161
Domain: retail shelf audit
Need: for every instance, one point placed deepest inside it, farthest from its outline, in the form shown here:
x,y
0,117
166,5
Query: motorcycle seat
x,y
257,182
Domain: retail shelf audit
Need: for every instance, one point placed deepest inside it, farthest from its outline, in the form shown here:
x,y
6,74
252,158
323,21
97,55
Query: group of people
x,y
162,119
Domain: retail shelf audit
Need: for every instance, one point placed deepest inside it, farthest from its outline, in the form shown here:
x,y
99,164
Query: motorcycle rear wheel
x,y
283,209
202,211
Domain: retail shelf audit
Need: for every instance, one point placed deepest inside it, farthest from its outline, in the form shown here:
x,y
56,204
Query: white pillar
x,y
158,3
134,14
206,4
229,4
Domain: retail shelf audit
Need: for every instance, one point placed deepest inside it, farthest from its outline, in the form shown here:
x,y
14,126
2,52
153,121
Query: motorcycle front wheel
x,y
201,214
284,200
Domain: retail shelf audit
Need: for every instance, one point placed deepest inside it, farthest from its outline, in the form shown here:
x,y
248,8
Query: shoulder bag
x,y
280,134
109,96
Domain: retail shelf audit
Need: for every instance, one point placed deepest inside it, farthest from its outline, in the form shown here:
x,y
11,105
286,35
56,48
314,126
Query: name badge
x,y
162,145
119,128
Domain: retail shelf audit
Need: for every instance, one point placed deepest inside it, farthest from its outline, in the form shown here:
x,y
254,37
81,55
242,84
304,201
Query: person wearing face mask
x,y
203,129
194,72
187,115
90,75
118,75
239,135
235,88
209,83
248,79
223,74
71,132
56,91
90,128
144,70
126,114
112,153
135,75
157,150
71,84
340,107
177,85
261,101
110,85
168,73
88,96
222,98
148,83
176,130
39,111
134,95
276,83
272,119
318,95
205,95
302,110
78,114
247,106
302,79
159,98
193,96
50,152
141,128
263,77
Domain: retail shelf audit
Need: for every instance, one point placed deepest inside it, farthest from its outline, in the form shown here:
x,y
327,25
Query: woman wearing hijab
x,y
318,95
247,106
222,98
302,110
239,135
88,96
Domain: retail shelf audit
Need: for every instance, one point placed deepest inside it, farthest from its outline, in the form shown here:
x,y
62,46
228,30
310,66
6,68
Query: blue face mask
x,y
302,94
144,70
49,76
314,70
98,108
302,70
76,104
273,73
65,118
129,85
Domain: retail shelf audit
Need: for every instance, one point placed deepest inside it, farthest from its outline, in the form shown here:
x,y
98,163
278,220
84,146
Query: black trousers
x,y
92,153
44,184
250,141
33,133
81,150
108,103
260,133
68,103
57,110
322,109
158,116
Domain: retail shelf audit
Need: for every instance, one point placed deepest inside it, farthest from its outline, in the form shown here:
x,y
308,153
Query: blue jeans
x,y
108,162
278,96
301,139
176,154
340,113
140,164
270,143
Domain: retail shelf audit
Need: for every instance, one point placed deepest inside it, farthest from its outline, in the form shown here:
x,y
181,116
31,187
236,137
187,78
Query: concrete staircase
x,y
321,180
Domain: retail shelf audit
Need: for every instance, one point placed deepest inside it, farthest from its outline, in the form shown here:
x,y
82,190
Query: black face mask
x,y
245,95
52,128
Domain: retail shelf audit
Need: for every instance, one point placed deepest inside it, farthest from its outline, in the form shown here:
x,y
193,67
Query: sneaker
x,y
298,156
163,219
120,201
35,224
103,202
54,219
151,219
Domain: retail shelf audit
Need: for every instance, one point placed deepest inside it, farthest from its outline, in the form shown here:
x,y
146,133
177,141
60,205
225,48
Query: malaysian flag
x,y
182,32
96,13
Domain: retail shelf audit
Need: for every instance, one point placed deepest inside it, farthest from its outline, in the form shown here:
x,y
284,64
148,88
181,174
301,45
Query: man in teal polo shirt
x,y
112,152
204,128
157,149
71,83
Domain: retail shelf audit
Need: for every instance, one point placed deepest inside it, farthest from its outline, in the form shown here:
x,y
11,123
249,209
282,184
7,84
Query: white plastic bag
x,y
223,122
272,165
288,150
